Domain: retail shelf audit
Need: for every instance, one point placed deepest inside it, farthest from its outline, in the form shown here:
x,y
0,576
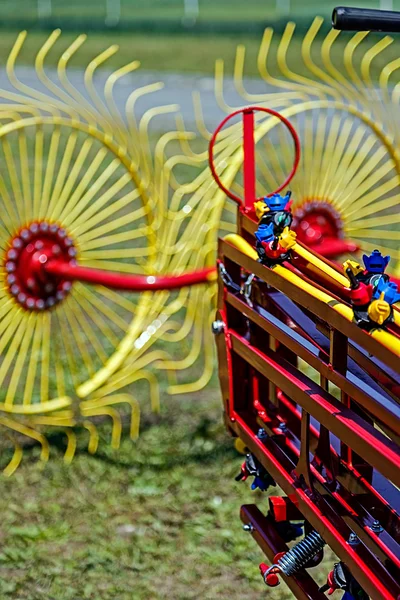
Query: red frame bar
x,y
132,283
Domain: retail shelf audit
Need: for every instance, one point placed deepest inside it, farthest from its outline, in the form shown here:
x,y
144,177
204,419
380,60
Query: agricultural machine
x,y
309,368
109,241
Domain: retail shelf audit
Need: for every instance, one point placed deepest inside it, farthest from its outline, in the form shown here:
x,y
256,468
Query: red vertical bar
x,y
249,167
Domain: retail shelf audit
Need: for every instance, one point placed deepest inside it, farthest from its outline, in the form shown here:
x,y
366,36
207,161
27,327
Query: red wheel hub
x,y
25,262
316,222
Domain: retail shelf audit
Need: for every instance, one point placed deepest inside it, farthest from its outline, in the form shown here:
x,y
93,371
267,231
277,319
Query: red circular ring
x,y
274,113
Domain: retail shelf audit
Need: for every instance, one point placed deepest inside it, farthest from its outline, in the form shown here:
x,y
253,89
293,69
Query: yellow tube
x,y
320,266
241,244
383,337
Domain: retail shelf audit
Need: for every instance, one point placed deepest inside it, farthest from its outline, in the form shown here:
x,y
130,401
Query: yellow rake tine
x,y
352,161
45,359
118,399
99,208
71,446
116,422
48,178
348,57
106,331
318,152
8,327
80,344
22,355
87,330
361,203
368,247
118,299
335,162
108,94
367,177
78,214
15,461
101,306
72,178
89,231
116,238
326,164
81,104
93,436
18,334
65,104
59,372
374,207
375,222
8,310
383,234
76,197
69,352
14,179
107,123
28,432
25,176
37,184
91,255
128,377
62,172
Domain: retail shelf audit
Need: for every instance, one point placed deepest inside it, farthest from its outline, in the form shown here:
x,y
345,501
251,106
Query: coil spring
x,y
301,553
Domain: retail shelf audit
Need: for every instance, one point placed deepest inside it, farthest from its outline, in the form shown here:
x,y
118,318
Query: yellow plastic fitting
x,y
379,310
261,209
353,265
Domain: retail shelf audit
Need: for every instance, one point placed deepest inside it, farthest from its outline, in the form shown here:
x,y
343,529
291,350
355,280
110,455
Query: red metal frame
x,y
333,457
249,155
133,283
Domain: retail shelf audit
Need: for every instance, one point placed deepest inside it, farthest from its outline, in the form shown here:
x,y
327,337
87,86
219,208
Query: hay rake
x,y
93,202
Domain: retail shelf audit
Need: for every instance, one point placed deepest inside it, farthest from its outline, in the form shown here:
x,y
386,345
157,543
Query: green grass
x,y
158,519
219,10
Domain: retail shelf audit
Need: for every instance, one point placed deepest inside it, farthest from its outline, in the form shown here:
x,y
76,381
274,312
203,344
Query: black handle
x,y
365,19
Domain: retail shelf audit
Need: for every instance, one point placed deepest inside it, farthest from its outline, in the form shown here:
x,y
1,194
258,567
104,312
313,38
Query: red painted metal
x,y
133,283
338,458
29,251
249,164
249,167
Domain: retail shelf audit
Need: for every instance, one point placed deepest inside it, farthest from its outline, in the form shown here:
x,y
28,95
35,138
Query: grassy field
x,y
156,520
218,10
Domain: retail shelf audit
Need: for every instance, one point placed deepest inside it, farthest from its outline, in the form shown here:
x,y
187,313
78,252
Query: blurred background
x,y
159,518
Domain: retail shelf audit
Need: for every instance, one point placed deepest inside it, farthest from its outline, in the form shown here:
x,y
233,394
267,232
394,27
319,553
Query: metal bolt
x,y
30,303
10,266
283,426
376,527
217,327
248,527
353,540
262,434
34,228
25,234
17,243
40,304
12,254
50,301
